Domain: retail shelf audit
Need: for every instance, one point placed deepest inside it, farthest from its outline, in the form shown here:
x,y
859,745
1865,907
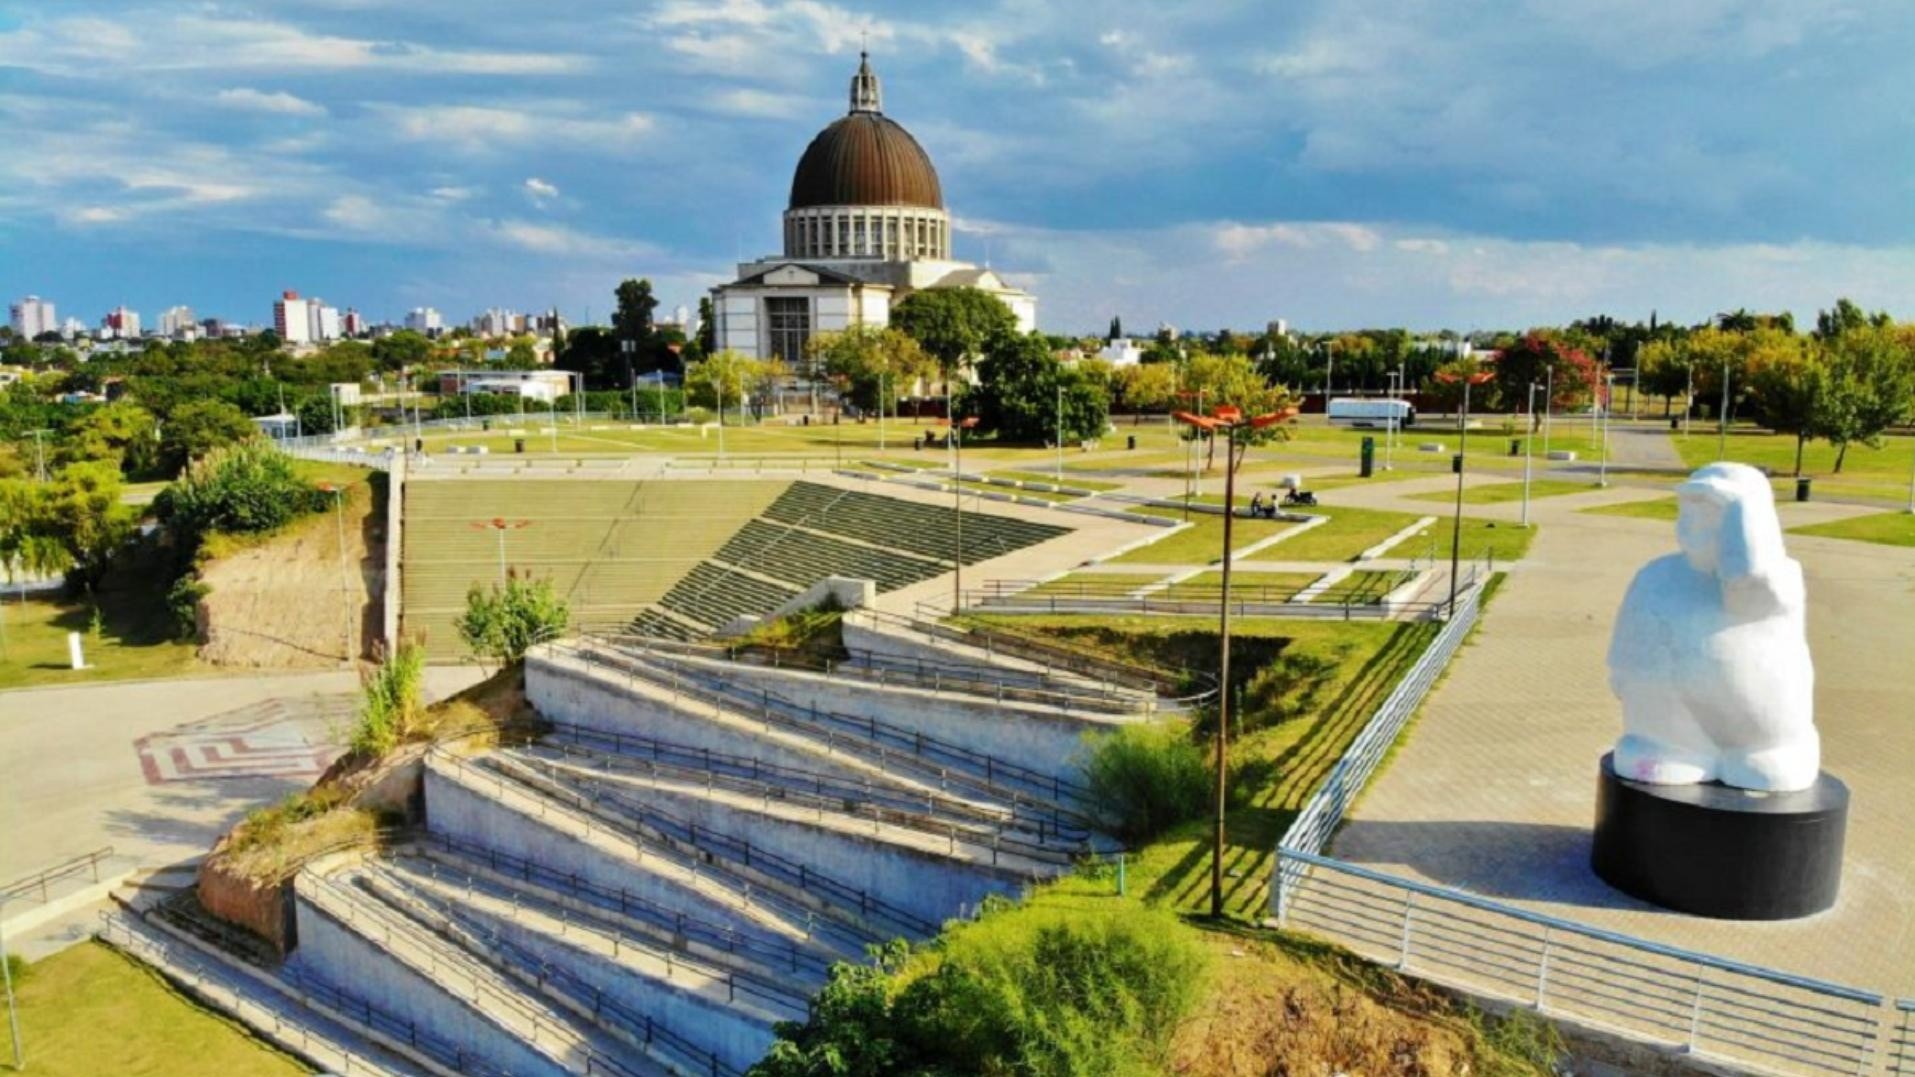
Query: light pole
x,y
1911,485
1462,445
881,375
345,577
500,525
1722,415
1389,431
1060,433
1529,442
1229,420
552,407
1549,404
958,427
13,1011
1602,472
1688,396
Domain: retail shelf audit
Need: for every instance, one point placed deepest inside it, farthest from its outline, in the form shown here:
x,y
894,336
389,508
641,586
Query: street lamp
x,y
501,525
338,493
958,427
1549,404
1229,420
1722,415
1060,433
1609,405
1462,445
1529,441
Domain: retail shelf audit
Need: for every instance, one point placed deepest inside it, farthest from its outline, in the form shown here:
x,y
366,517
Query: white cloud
x,y
451,193
558,241
261,101
478,128
539,191
761,104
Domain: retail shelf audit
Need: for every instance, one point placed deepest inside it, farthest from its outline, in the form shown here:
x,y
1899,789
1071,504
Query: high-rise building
x,y
121,323
425,320
72,328
32,316
322,321
291,319
352,324
177,322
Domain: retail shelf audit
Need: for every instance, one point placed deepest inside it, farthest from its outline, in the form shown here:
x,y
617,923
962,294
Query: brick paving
x,y
1494,791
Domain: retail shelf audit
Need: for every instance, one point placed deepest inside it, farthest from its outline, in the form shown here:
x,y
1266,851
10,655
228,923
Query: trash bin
x,y
1130,442
485,424
807,418
1516,446
1802,488
1456,463
518,445
1367,460
1675,423
418,444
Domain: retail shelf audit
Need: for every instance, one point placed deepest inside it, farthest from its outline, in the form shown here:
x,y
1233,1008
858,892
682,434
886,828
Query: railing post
x,y
1542,973
1695,1015
1409,911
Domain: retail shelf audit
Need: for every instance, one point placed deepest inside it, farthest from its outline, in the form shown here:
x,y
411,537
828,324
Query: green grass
x,y
136,639
1202,542
1497,493
1655,508
1069,480
1244,586
1349,533
1866,472
90,1010
972,486
1358,589
1095,583
1887,529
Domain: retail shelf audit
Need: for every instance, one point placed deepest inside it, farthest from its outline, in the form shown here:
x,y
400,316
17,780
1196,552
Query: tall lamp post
x,y
1229,420
501,525
1060,433
338,493
1462,446
1529,442
1609,405
958,427
1722,415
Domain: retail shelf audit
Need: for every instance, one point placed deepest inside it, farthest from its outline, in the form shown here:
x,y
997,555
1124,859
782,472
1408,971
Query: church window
x,y
788,321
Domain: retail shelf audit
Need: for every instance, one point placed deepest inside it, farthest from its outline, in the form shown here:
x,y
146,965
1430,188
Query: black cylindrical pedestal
x,y
1717,851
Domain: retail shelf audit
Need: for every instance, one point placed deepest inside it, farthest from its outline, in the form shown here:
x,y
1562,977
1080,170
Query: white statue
x,y
1710,657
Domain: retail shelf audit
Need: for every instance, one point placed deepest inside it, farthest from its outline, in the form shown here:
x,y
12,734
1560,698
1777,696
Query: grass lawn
x,y
1497,493
1202,542
1102,584
1244,586
1887,528
1069,479
1655,508
91,1010
1865,472
136,639
1349,533
1359,588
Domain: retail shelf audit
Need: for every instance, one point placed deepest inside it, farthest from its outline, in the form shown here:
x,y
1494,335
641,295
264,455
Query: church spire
x,y
864,87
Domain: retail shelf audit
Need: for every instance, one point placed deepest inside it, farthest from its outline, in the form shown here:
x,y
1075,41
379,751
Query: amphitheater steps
x,y
802,895
501,1021
643,999
694,938
613,855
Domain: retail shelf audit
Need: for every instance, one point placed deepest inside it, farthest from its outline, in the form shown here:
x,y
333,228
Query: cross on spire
x,y
864,86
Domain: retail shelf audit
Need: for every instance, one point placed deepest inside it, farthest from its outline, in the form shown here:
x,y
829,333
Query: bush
x,y
393,702
1021,991
1145,779
182,601
503,623
243,489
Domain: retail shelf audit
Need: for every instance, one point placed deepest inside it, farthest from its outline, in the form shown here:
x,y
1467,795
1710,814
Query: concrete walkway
x,y
1495,790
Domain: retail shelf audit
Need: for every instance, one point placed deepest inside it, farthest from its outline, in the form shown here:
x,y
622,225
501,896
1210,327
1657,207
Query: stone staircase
x,y
672,867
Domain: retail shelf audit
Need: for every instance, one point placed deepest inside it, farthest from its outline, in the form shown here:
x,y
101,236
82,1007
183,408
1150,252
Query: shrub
x,y
243,489
504,623
1145,779
1022,991
182,601
392,702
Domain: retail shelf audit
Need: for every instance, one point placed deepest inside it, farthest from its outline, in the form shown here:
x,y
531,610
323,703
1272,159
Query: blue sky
x,y
1471,163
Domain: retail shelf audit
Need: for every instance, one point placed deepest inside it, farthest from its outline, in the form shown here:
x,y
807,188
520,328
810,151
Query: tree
x,y
1870,387
632,320
592,353
85,514
1787,386
1116,328
1845,318
721,379
707,327
403,350
953,324
197,428
30,542
1544,357
121,433
1017,395
862,358
503,623
1146,387
1663,369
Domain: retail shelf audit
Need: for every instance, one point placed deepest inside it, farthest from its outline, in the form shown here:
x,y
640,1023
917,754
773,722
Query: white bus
x,y
1372,413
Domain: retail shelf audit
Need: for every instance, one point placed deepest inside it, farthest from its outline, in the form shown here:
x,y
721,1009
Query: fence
x,y
39,881
1707,1006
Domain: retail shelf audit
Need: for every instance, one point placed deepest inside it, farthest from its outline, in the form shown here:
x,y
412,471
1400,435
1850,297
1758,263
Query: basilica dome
x,y
865,188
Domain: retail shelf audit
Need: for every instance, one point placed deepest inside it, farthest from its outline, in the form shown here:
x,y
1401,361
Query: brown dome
x,y
865,159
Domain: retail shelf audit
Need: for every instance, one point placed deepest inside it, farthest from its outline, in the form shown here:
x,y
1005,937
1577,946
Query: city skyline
x,y
1332,167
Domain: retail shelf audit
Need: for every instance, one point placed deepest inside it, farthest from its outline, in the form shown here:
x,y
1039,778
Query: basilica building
x,y
866,227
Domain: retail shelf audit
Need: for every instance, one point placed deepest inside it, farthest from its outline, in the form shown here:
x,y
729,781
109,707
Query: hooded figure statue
x,y
1710,656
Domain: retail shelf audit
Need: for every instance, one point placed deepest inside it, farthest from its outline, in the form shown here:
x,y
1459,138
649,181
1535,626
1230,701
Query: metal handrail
x,y
40,879
826,790
617,899
866,736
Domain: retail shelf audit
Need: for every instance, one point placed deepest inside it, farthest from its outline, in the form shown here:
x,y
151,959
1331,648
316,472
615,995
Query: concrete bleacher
x,y
610,548
812,531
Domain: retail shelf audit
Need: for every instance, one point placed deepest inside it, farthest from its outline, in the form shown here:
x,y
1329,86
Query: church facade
x,y
865,227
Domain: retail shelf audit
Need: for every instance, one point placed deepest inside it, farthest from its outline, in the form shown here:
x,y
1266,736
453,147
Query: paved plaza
x,y
1494,790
